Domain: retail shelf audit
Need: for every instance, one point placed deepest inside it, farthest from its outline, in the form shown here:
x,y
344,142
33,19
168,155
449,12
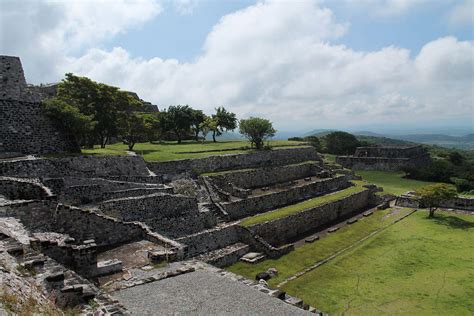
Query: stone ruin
x,y
93,232
385,158
23,126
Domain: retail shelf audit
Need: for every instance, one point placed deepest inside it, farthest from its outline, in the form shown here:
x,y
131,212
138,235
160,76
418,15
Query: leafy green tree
x,y
152,126
197,119
178,120
456,158
132,128
226,121
432,195
341,143
209,124
256,130
313,141
69,118
103,102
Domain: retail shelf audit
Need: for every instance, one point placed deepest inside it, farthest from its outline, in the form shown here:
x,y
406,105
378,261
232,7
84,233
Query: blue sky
x,y
181,36
304,64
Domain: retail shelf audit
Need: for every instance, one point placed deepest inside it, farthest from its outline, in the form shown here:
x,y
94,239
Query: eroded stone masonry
x,y
385,158
116,235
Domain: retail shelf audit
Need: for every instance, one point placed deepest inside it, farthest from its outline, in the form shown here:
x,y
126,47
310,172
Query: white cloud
x,y
185,7
462,14
386,8
45,32
276,59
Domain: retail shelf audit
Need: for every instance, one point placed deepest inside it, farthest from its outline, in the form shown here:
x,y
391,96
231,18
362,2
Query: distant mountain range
x,y
465,142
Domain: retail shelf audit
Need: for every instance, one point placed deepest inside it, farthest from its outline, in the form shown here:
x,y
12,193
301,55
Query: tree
x,y
103,102
226,121
178,119
256,130
152,126
197,118
341,143
431,195
313,141
132,129
69,118
456,158
209,124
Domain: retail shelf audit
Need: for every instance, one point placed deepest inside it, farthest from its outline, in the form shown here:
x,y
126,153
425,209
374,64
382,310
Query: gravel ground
x,y
201,292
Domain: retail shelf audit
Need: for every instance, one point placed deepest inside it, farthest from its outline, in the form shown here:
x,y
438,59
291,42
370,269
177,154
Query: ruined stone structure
x,y
23,126
385,158
96,228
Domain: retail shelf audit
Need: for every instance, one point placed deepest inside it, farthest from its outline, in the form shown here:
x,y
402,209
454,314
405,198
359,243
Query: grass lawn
x,y
419,266
296,208
309,254
392,182
166,151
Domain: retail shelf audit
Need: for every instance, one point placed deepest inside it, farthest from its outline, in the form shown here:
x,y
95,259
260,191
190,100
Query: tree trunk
x,y
432,211
214,136
130,145
197,135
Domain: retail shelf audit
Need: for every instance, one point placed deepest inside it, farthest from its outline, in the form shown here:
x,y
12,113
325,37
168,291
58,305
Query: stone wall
x,y
266,176
23,126
259,204
385,158
22,189
48,216
278,157
286,229
390,152
171,215
77,166
210,240
378,163
459,203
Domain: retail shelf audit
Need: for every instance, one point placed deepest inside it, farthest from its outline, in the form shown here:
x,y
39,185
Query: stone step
x,y
225,256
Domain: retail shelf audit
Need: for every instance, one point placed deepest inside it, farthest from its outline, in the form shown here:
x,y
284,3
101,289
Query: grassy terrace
x,y
299,207
419,266
166,151
307,255
392,182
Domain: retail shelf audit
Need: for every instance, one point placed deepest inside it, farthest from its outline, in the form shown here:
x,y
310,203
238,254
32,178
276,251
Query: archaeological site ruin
x,y
113,235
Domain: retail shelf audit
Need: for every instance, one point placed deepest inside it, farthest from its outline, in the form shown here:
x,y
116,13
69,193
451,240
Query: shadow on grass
x,y
451,221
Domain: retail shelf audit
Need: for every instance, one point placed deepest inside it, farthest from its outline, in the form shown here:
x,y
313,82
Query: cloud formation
x,y
277,60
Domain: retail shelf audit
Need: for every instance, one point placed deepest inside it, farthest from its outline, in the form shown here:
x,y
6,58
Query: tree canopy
x,y
256,130
431,196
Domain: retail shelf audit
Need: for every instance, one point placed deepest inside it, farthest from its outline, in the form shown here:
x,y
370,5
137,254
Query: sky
x,y
382,65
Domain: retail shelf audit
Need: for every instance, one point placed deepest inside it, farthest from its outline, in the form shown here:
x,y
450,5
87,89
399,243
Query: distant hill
x,y
459,142
384,141
465,142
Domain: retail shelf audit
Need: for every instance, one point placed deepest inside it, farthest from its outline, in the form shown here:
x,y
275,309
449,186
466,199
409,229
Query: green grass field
x,y
296,208
392,182
307,255
167,151
419,266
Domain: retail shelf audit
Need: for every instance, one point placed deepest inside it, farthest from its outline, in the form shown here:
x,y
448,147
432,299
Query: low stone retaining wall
x,y
265,176
22,189
44,216
460,203
258,204
172,215
379,163
286,229
210,240
78,166
277,157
